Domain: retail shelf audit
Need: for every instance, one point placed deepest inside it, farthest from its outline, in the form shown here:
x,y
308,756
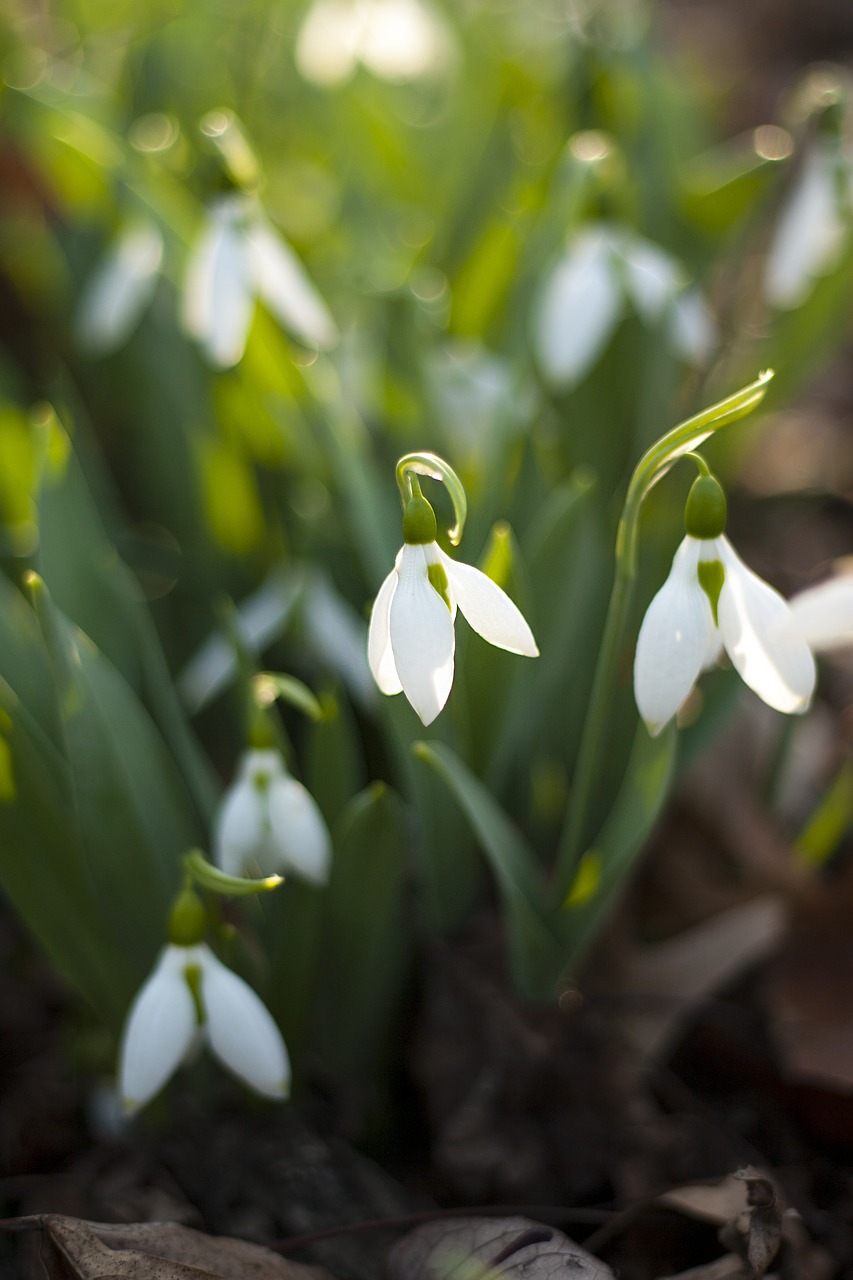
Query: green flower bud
x,y
705,512
418,521
187,920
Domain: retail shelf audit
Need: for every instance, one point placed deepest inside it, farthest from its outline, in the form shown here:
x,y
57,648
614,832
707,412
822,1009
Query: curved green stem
x,y
431,465
654,464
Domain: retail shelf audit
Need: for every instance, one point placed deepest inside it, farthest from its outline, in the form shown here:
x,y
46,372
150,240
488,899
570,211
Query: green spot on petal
x,y
712,575
438,578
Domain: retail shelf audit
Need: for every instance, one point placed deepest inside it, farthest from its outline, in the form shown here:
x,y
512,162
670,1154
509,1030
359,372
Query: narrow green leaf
x,y
535,953
604,869
367,935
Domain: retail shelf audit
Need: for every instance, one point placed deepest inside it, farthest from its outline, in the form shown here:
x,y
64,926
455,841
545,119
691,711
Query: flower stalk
x,y
654,464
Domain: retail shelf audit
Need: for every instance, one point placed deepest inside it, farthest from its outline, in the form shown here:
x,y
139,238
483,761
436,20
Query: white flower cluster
x,y
605,267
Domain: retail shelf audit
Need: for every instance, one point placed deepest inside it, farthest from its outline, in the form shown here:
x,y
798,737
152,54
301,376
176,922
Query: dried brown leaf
x,y
478,1248
77,1250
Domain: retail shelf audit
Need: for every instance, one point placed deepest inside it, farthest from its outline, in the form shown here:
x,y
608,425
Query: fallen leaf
x,y
477,1248
664,983
152,1251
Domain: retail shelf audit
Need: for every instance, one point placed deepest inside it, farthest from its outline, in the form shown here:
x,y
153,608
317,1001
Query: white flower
x,y
269,824
394,39
165,1023
811,231
583,300
238,258
120,289
822,616
679,636
411,641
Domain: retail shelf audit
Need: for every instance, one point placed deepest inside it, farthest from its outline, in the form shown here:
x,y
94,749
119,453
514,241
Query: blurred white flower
x,y
812,227
239,257
268,824
395,39
192,996
711,600
411,641
120,289
583,300
822,616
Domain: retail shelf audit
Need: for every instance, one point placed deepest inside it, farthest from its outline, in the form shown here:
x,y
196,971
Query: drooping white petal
x,y
578,310
327,42
281,280
422,636
402,39
488,609
120,289
755,627
159,1030
692,331
219,296
675,640
380,655
242,835
822,616
299,834
809,233
652,276
241,1030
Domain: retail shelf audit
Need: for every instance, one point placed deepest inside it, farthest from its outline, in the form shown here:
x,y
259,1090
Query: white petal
x,y
327,42
159,1030
578,310
675,640
283,283
243,841
402,39
809,232
241,1030
488,609
421,636
755,627
823,615
120,289
299,833
652,276
692,331
219,299
380,655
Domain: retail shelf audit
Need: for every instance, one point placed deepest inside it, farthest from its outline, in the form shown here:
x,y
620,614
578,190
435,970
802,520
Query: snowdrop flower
x,y
710,601
394,39
120,289
605,267
813,226
238,258
192,997
822,616
411,639
268,824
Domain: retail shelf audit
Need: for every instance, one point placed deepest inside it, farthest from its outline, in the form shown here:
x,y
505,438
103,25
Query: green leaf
x,y
134,815
334,764
367,934
535,953
43,869
606,865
